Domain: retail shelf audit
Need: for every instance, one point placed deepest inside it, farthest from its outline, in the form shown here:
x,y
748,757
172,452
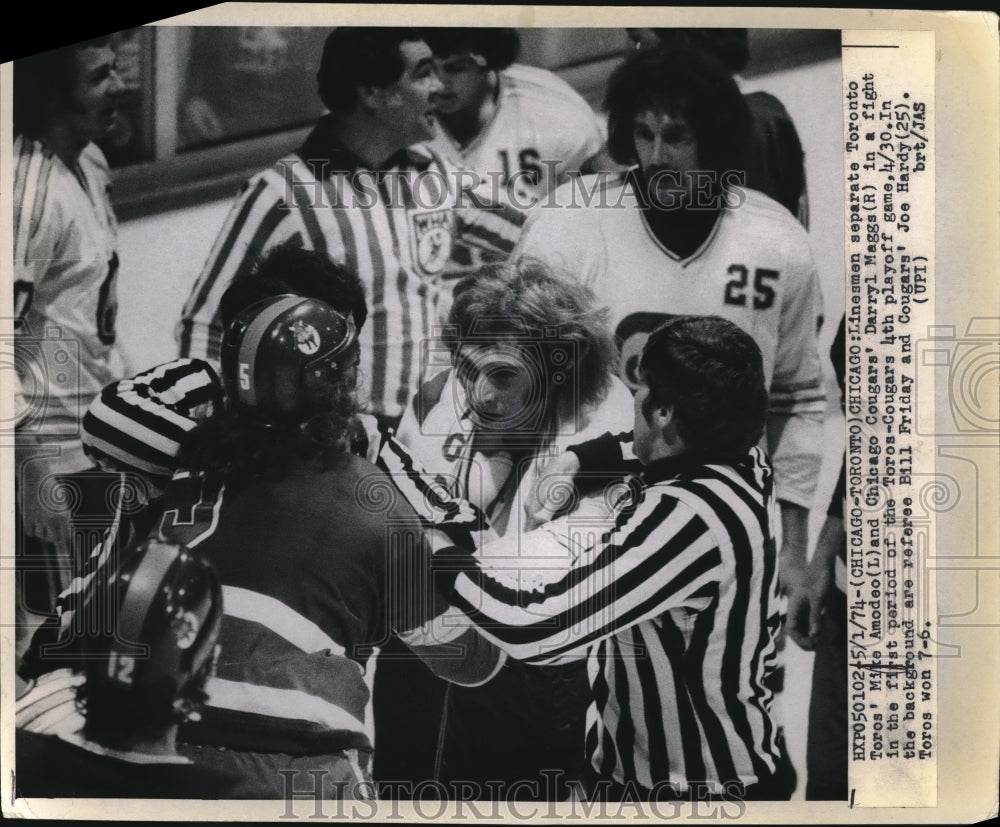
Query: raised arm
x,y
137,424
531,597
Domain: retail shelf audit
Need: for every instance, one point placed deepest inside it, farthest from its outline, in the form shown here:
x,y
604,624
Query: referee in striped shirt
x,y
675,604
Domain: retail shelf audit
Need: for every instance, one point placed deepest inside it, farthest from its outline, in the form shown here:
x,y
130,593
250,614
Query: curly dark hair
x,y
526,302
731,46
499,47
712,374
237,447
688,83
288,268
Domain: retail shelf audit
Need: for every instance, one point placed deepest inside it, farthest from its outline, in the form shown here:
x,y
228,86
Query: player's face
x,y
667,153
498,385
465,83
96,93
407,108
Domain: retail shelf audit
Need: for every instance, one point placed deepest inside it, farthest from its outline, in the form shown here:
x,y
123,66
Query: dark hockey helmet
x,y
276,347
164,611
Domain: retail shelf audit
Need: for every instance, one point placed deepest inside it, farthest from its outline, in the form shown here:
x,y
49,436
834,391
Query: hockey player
x,y
318,567
522,126
147,652
65,255
678,235
774,161
531,370
675,606
519,128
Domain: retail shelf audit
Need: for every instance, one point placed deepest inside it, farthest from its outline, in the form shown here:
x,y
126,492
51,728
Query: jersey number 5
x,y
763,292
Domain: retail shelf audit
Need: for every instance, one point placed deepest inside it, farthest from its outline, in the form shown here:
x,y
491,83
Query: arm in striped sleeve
x,y
418,611
538,603
137,424
459,519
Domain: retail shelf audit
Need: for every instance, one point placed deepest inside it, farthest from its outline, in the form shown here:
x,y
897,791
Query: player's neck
x,y
65,142
466,124
681,231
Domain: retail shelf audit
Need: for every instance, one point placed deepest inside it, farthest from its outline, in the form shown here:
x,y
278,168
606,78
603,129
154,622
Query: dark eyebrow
x,y
103,69
423,63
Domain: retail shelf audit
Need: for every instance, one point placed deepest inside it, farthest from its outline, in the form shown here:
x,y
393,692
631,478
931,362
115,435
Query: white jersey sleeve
x,y
797,402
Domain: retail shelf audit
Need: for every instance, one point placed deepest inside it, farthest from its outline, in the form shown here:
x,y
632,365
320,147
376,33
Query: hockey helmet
x,y
165,611
275,347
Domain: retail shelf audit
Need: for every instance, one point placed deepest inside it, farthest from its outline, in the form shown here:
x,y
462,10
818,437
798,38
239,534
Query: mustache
x,y
654,175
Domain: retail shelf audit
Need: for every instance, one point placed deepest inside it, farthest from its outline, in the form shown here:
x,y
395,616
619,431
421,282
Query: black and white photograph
x,y
542,420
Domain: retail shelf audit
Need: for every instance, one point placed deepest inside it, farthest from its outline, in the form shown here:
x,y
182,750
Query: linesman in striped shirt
x,y
355,193
675,605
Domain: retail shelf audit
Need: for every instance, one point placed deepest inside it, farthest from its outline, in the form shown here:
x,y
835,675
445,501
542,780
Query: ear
x,y
666,422
370,97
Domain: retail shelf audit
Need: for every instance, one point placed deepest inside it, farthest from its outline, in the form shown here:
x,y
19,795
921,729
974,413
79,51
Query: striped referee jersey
x,y
394,227
136,426
676,609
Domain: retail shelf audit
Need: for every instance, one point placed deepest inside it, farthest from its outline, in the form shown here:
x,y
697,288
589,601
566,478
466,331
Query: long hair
x,y
288,268
527,304
238,448
685,82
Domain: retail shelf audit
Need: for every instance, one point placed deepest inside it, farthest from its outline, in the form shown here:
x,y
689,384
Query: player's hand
x,y
795,538
805,605
366,435
791,572
44,514
549,493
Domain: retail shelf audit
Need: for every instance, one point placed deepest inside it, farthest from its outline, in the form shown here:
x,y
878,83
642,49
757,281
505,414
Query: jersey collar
x,y
326,155
685,465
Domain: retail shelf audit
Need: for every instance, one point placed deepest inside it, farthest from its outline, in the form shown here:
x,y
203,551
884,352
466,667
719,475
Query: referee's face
x,y
407,108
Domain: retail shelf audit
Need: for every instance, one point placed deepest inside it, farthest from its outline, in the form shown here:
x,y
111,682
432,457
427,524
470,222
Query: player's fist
x,y
548,495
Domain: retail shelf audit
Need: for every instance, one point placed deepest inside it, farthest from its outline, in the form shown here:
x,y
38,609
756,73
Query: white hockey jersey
x,y
755,269
65,274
